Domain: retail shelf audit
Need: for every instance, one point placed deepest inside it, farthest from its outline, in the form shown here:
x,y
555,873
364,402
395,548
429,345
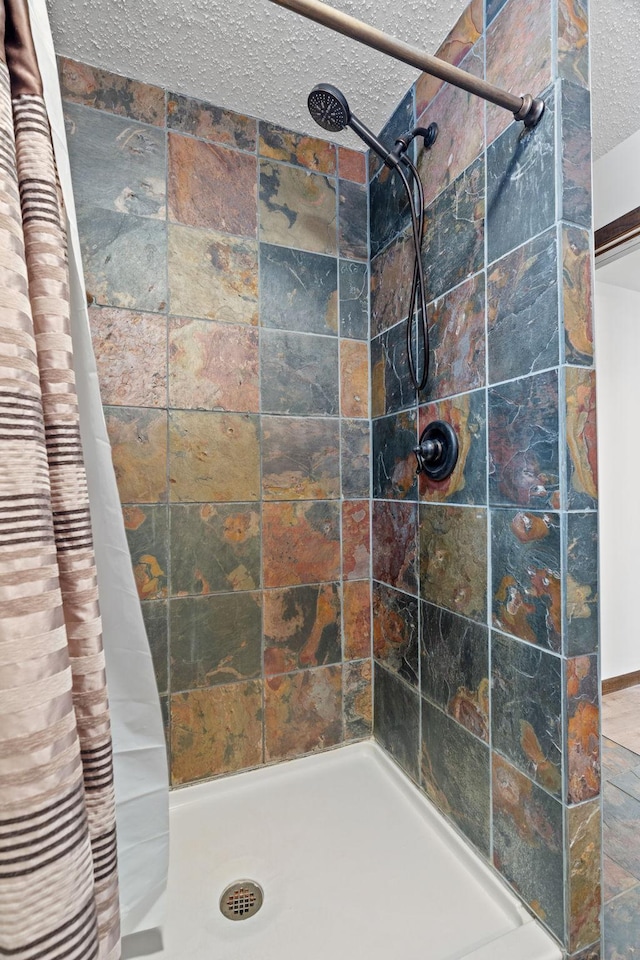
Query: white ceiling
x,y
254,57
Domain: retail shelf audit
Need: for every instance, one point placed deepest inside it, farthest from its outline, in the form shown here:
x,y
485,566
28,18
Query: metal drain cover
x,y
241,900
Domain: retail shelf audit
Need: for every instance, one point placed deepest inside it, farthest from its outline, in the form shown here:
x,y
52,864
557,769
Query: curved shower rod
x,y
526,108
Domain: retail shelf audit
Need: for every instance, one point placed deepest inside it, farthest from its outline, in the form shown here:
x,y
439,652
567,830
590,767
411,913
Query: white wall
x,y
617,328
616,184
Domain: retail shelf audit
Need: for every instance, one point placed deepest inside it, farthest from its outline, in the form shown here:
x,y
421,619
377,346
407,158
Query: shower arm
x,y
526,108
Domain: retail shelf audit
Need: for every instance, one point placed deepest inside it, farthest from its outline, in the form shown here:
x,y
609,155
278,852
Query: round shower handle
x,y
437,452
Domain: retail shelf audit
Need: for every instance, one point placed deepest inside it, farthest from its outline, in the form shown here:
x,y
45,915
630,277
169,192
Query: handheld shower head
x,y
329,108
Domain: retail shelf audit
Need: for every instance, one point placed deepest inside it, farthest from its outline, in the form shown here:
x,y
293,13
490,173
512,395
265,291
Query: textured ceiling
x,y
250,55
256,58
615,71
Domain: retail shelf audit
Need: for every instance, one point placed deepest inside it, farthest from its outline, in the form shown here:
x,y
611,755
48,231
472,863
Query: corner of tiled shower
x,y
485,619
227,264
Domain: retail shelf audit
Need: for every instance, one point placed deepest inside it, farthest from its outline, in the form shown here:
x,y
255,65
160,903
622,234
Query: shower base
x,y
353,860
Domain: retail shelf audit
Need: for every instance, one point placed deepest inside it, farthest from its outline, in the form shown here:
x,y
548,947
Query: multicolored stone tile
x,y
523,442
521,175
526,710
131,356
301,627
620,828
616,760
298,290
576,154
527,842
391,386
354,299
577,289
401,120
139,452
356,619
493,9
389,209
354,378
453,246
357,699
215,639
457,340
154,613
583,729
215,548
215,731
356,539
582,452
622,926
581,585
396,719
520,67
573,41
123,257
585,894
300,542
457,45
300,458
454,656
93,87
468,417
593,952
355,444
615,879
460,119
300,374
116,163
276,143
213,456
456,774
297,208
526,576
212,187
212,276
394,463
303,712
522,297
353,233
629,782
352,165
453,558
204,120
395,632
147,529
395,544
213,366
391,274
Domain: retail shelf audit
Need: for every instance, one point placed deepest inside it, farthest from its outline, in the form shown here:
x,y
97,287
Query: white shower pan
x,y
353,860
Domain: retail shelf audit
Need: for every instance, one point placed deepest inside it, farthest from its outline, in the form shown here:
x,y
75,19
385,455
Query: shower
x,y
329,108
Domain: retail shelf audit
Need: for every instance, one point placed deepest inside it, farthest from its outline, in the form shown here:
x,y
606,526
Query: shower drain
x,y
241,900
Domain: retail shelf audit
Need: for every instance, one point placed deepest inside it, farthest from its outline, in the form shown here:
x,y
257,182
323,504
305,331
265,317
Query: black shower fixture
x,y
437,452
329,108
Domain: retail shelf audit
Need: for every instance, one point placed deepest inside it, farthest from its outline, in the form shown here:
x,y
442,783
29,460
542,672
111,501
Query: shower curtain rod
x,y
525,108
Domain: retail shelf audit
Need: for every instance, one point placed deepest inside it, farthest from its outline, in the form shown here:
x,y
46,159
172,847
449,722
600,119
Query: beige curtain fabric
x,y
58,879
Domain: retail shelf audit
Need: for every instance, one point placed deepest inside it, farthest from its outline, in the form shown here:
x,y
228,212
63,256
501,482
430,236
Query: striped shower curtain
x,y
58,877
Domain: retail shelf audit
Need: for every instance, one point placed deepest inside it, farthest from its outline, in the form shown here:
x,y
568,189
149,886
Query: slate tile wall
x,y
226,262
485,620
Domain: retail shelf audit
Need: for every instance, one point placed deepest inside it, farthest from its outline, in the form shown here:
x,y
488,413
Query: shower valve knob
x,y
437,452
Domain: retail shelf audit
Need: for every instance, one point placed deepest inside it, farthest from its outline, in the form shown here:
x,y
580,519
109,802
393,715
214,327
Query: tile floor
x,y
621,838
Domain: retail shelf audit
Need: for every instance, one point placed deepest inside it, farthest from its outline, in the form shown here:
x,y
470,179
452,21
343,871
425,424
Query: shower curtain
x,y
58,884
